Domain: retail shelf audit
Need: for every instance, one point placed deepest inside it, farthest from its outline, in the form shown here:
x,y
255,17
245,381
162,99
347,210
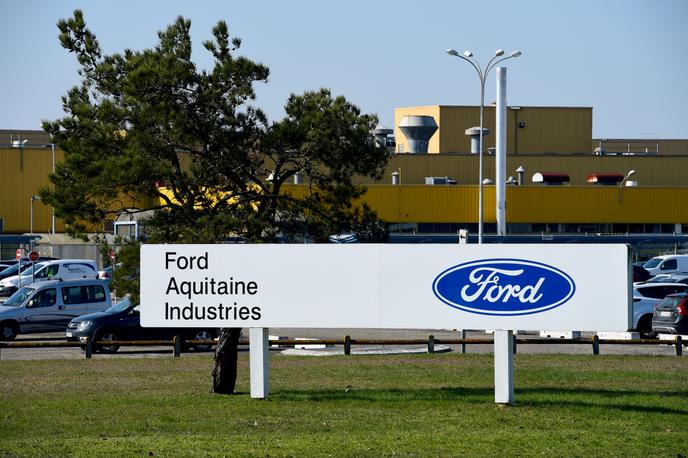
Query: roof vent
x,y
474,133
609,179
418,130
439,180
381,133
549,178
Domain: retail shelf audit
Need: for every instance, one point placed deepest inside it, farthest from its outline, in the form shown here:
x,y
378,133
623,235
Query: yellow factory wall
x,y
650,171
525,204
22,175
561,130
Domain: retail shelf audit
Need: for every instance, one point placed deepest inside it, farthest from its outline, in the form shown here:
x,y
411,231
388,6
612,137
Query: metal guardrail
x,y
178,343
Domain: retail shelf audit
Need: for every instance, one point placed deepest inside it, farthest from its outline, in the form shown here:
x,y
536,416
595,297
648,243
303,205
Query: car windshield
x,y
120,306
19,297
47,271
36,268
654,262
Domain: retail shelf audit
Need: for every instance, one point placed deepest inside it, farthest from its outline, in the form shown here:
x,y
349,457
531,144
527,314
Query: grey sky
x,y
626,59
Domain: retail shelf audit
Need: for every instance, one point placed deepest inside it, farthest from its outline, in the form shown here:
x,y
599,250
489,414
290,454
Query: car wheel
x,y
8,331
203,334
645,327
107,336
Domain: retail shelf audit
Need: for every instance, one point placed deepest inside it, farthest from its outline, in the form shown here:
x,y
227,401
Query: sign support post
x,y
504,366
258,355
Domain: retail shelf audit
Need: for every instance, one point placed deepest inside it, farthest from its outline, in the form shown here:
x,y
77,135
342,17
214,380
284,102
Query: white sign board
x,y
424,286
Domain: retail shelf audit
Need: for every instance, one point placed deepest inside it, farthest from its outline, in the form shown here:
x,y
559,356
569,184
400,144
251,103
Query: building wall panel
x,y
561,130
650,171
529,204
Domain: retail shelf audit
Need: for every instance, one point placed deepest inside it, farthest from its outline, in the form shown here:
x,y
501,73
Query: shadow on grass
x,y
581,398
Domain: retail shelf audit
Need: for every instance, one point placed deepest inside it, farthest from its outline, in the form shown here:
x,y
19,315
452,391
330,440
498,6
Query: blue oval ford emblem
x,y
503,287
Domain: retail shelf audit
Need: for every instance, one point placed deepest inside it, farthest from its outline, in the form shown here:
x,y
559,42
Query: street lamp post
x,y
628,175
19,144
468,57
32,200
52,221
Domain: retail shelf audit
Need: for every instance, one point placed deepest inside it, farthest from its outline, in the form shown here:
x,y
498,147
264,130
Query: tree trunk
x,y
226,353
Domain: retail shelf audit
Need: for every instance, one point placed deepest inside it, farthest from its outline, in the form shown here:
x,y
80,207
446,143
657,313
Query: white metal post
x,y
504,366
52,219
258,354
480,164
500,146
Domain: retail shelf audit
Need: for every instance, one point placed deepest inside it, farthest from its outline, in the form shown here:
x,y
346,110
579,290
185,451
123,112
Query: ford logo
x,y
503,287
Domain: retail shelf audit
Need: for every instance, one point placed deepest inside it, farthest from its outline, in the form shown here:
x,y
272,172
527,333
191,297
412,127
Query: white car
x,y
67,269
645,296
667,264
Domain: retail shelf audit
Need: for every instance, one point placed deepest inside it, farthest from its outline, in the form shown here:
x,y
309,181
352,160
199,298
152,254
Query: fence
x,y
347,342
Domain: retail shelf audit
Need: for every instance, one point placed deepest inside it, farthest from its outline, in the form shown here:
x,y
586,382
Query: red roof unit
x,y
604,178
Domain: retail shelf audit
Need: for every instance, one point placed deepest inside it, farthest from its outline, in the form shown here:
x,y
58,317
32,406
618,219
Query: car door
x,y
96,299
74,298
127,326
43,312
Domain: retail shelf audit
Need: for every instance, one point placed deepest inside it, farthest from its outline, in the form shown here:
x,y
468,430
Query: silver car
x,y
49,306
645,296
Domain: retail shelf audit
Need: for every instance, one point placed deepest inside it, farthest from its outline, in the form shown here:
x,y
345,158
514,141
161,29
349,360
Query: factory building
x,y
561,180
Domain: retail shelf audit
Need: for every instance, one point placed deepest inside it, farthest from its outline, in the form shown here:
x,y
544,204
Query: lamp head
x,y
467,53
499,52
515,53
452,52
630,173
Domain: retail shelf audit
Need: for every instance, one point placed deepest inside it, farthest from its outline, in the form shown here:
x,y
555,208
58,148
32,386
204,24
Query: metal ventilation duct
x,y
418,130
380,133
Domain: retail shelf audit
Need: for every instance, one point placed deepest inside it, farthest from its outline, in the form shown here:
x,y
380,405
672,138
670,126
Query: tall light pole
x,y
52,222
19,144
468,57
33,198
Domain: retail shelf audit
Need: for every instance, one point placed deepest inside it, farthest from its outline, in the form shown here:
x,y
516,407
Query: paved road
x,y
165,352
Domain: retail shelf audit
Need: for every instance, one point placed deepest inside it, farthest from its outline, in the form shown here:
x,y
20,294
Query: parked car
x,y
108,272
678,277
9,285
11,262
50,305
671,315
14,269
122,322
667,264
645,296
67,269
640,274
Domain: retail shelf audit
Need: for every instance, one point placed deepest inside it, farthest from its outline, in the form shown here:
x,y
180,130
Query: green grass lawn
x,y
405,405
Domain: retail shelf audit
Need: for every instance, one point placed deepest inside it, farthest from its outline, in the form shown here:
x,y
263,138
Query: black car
x,y
122,322
640,274
671,315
